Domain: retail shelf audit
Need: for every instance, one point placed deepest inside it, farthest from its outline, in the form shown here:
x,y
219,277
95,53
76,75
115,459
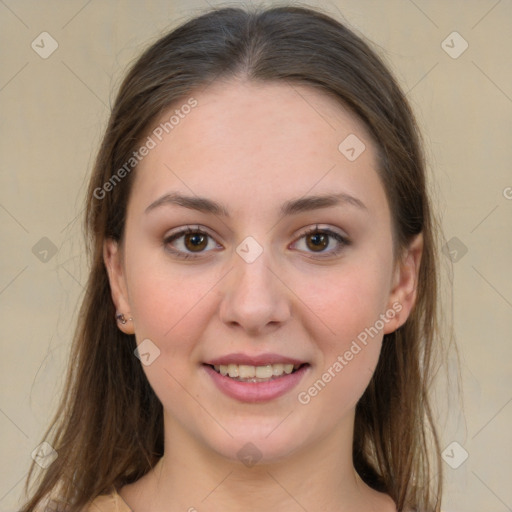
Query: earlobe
x,y
405,284
112,257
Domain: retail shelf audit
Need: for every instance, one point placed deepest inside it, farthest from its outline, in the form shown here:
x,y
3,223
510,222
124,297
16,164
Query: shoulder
x,y
107,503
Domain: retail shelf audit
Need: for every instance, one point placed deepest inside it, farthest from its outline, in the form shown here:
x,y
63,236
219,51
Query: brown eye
x,y
324,242
188,243
195,241
319,241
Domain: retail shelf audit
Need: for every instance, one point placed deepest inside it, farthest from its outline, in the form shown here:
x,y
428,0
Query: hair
x,y
108,428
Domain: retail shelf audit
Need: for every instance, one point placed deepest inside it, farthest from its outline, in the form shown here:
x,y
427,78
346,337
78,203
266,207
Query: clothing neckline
x,y
112,502
121,505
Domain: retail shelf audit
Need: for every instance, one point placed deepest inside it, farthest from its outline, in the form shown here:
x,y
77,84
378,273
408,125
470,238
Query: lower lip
x,y
256,391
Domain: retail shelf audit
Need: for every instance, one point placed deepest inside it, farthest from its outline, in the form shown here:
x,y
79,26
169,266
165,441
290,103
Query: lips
x,y
244,372
256,368
255,378
255,360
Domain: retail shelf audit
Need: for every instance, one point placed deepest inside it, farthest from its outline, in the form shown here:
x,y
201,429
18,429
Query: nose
x,y
254,298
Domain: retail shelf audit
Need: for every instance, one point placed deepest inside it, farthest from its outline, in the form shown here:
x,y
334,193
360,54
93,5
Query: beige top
x,y
108,503
112,503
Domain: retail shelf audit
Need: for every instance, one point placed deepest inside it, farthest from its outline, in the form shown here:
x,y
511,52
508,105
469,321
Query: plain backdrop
x,y
453,58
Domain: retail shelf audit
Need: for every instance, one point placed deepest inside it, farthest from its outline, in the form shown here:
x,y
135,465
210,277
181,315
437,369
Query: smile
x,y
249,373
251,383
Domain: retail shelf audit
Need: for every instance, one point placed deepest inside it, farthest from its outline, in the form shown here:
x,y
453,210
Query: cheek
x,y
172,311
346,301
169,301
170,308
347,326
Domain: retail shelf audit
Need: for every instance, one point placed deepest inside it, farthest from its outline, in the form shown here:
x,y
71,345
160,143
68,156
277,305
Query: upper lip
x,y
255,360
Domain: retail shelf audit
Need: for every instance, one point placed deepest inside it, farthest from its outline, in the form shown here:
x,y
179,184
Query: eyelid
x,y
179,233
342,239
190,228
323,229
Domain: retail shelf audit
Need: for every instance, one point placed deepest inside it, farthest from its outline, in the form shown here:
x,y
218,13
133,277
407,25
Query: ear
x,y
112,256
404,286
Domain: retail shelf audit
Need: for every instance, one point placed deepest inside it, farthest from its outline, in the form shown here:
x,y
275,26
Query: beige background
x,y
54,110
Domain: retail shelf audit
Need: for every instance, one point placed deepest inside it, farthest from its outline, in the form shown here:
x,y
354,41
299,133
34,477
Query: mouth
x,y
261,373
253,378
261,381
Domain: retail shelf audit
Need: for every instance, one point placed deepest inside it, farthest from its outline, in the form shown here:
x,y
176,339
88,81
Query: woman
x,y
261,308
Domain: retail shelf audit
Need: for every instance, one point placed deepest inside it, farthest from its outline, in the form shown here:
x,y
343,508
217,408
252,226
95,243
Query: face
x,y
286,260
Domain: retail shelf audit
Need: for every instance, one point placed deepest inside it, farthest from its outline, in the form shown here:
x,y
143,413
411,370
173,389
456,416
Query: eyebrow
x,y
292,207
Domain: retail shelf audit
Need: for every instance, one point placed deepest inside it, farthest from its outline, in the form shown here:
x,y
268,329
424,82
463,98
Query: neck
x,y
191,477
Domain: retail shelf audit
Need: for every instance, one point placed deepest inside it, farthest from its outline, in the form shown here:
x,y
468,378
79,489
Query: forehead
x,y
249,112
245,141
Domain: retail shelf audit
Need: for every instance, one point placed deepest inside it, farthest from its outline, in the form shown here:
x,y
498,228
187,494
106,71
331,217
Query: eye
x,y
317,240
195,240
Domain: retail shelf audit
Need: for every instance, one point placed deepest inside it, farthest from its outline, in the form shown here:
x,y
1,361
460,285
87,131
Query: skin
x,y
253,147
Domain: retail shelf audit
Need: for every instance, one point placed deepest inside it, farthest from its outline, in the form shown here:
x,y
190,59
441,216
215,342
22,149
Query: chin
x,y
268,442
251,451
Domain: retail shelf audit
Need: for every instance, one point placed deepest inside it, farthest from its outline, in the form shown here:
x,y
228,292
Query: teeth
x,y
288,368
244,371
233,370
277,369
264,372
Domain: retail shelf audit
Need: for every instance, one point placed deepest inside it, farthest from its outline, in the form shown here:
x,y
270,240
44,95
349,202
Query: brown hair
x,y
108,430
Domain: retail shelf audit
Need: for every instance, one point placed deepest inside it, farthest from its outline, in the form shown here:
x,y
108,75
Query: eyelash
x,y
343,241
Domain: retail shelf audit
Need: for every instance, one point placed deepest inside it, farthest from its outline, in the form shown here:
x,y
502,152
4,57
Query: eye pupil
x,y
319,238
196,239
